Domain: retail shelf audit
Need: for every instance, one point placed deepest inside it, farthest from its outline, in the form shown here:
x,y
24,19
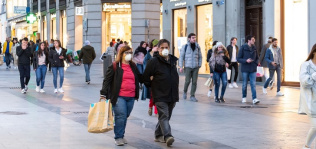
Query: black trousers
x,y
235,66
164,112
25,75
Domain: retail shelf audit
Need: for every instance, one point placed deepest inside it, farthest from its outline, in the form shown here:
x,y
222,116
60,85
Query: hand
x,y
211,75
101,97
227,65
181,70
151,78
61,57
249,60
34,69
259,64
274,64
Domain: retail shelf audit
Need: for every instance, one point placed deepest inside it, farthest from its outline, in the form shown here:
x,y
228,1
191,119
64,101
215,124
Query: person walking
x,y
56,57
233,51
191,54
110,51
24,53
51,44
218,64
88,55
121,86
14,54
40,61
248,58
7,46
209,55
139,55
274,59
263,63
307,94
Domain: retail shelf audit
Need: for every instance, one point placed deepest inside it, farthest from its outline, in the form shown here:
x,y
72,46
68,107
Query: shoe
x,y
150,111
42,91
9,66
271,84
124,140
184,96
244,100
264,90
209,93
217,100
279,93
23,91
37,89
119,142
61,90
26,88
88,82
55,91
160,139
169,141
192,98
256,101
305,147
230,85
235,85
222,99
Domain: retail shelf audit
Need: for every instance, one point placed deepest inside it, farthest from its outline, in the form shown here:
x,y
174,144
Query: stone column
x,y
39,21
232,21
311,23
219,22
57,20
71,24
141,11
48,21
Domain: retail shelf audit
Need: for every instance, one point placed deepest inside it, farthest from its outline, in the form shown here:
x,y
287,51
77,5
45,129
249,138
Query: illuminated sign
x,y
107,6
180,4
201,1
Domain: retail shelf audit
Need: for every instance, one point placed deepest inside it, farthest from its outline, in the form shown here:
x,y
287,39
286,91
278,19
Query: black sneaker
x,y
217,100
222,99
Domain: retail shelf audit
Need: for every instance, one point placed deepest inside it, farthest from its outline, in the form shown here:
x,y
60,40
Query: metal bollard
x,y
107,61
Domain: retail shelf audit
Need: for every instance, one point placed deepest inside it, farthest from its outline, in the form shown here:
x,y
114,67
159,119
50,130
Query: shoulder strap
x,y
185,49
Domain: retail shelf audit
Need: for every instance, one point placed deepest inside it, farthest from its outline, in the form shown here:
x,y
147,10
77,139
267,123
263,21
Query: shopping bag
x,y
75,55
229,72
100,118
1,60
260,71
208,82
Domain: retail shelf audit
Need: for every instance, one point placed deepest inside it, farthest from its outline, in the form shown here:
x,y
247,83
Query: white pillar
x,y
39,21
57,20
311,23
48,21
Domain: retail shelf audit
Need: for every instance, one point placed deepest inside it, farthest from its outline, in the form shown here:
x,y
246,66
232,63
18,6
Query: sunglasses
x,y
128,52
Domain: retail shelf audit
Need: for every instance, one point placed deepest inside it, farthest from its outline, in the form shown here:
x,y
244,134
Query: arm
x,y
149,71
19,51
307,80
182,55
93,54
81,54
209,54
262,54
107,82
227,60
34,61
267,56
50,57
240,56
200,57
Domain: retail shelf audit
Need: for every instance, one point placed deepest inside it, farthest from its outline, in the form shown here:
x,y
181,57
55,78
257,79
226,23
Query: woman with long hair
x,y
209,55
56,57
14,55
308,94
218,63
121,86
40,61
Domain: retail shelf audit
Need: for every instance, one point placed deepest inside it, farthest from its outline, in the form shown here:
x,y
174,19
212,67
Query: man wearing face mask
x,y
192,57
162,76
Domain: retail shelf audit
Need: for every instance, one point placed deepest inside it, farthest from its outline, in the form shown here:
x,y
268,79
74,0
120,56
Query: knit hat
x,y
219,44
155,42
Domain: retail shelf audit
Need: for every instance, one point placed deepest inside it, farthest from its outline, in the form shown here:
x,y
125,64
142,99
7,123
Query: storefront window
x,y
205,33
179,30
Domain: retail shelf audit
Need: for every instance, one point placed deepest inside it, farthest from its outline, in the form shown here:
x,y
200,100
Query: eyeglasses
x,y
128,52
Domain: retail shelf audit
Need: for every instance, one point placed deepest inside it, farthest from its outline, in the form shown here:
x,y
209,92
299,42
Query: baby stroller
x,y
76,58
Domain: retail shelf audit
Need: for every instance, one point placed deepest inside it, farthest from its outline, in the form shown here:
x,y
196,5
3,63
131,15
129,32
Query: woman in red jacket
x,y
121,86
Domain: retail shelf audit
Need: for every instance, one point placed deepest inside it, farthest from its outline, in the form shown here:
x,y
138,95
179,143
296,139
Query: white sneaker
x,y
306,147
55,91
26,88
244,100
37,89
256,101
23,91
230,85
279,93
264,90
61,90
235,85
42,91
209,93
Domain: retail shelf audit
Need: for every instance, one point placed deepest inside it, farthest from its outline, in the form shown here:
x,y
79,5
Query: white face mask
x,y
165,52
128,57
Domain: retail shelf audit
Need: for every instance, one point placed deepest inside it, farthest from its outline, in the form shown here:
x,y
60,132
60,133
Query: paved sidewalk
x,y
49,120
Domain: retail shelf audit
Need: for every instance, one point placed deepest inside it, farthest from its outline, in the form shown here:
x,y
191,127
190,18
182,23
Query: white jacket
x,y
308,89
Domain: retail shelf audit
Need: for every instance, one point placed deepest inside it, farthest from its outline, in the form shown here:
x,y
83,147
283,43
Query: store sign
x,y
107,6
174,0
180,4
79,11
19,10
201,1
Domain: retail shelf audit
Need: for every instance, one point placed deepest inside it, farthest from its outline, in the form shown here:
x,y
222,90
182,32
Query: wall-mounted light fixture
x,y
166,11
190,8
221,2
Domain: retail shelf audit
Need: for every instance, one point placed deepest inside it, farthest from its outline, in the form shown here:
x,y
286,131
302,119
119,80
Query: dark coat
x,y
87,54
112,82
245,53
165,83
25,56
262,61
230,51
53,57
209,55
35,59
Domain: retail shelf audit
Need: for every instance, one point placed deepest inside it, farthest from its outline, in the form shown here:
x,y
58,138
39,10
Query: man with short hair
x,y
263,63
88,55
191,60
232,52
275,62
24,53
248,58
51,44
7,46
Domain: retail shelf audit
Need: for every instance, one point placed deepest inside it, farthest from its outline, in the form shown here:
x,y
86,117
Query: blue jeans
x,y
252,77
217,78
40,75
7,58
271,72
61,74
122,110
87,70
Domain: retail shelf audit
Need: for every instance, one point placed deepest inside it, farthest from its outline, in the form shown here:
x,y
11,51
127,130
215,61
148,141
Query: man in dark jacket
x,y
162,76
232,52
88,55
24,53
248,58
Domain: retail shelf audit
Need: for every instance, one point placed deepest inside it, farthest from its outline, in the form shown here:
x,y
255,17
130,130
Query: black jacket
x,y
25,56
112,82
87,54
245,53
53,57
35,59
230,51
209,55
165,83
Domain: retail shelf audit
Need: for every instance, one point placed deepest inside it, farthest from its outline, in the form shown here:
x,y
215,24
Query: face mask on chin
x,y
128,57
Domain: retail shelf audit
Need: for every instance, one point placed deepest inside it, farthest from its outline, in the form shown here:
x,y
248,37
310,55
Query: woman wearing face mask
x,y
162,77
218,63
121,86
